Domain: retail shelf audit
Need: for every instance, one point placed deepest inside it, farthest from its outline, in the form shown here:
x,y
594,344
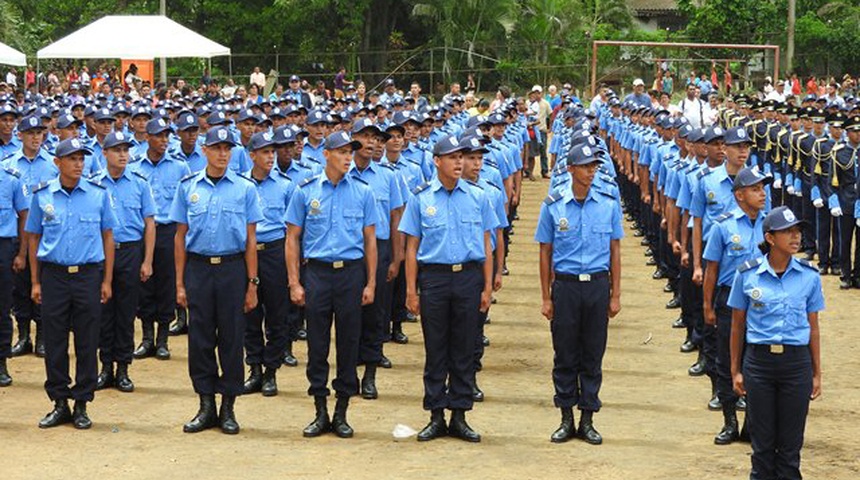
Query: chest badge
x,y
195,198
563,225
315,207
49,209
711,196
756,294
430,211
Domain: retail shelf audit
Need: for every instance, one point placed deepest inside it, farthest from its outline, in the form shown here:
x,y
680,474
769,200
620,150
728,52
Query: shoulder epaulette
x,y
474,184
386,165
38,187
138,174
188,177
308,180
807,264
703,173
284,175
13,172
750,264
96,183
493,185
302,165
552,198
245,177
606,193
723,217
359,179
420,188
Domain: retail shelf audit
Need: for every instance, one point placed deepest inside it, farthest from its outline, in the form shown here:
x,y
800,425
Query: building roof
x,y
651,8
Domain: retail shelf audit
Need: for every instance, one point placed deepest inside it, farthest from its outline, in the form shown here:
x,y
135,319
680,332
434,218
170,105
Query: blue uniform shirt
x,y
163,178
275,192
777,307
713,196
383,182
14,198
132,199
734,239
297,171
40,169
196,160
71,224
450,225
332,217
217,215
580,234
240,159
497,201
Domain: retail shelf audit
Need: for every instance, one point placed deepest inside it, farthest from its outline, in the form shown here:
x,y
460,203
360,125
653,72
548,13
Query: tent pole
x,y
163,11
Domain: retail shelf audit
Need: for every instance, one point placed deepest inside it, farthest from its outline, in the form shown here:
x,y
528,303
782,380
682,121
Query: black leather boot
x,y
729,432
458,428
368,383
714,404
58,416
146,348
162,352
122,382
39,348
338,421
180,325
269,387
5,378
79,416
436,428
697,369
227,417
254,383
397,335
106,378
477,393
290,360
23,346
586,429
206,418
321,423
565,431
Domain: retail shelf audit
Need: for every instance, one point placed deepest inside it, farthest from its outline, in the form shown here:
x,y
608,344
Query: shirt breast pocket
x,y
131,206
795,312
89,225
472,232
599,237
353,218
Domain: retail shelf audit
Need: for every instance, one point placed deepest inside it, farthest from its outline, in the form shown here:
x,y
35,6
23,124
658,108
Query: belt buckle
x,y
337,265
777,349
457,267
74,269
215,260
584,277
261,246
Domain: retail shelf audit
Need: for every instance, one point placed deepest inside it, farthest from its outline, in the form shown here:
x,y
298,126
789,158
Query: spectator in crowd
x,y
85,77
206,79
254,96
693,108
258,78
778,93
668,85
29,77
639,97
795,85
705,86
340,81
11,79
415,94
470,84
553,97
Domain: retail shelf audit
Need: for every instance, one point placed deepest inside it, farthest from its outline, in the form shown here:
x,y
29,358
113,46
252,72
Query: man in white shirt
x,y
12,79
777,94
258,78
693,108
85,77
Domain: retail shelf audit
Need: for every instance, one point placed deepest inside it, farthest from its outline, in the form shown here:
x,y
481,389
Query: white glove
x,y
857,222
798,193
836,211
778,184
789,189
818,203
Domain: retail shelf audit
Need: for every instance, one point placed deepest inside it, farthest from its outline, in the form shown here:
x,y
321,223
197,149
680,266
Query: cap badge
x,y
222,134
788,215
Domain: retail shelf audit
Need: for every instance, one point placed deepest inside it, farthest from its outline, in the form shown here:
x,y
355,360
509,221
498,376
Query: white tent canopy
x,y
10,56
113,37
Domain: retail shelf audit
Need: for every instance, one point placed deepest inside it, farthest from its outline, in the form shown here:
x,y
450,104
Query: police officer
x,y
14,204
579,232
844,181
158,299
216,211
275,190
734,239
775,346
334,215
134,239
449,258
71,259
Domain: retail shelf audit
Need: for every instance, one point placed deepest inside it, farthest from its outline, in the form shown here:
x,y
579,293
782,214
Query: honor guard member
x,y
579,231
384,183
734,239
35,166
14,203
844,181
71,259
134,240
815,122
275,190
823,197
333,214
775,346
449,259
158,298
216,211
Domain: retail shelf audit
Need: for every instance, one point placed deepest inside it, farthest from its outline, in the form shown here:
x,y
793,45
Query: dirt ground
x,y
654,421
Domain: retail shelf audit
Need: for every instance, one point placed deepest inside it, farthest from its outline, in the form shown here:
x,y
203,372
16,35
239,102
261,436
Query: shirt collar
x,y
436,184
56,186
793,264
590,196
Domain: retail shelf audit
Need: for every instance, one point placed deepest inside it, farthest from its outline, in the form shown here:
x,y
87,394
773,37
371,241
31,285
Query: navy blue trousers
x,y
116,341
273,307
158,296
7,254
216,299
725,391
778,389
333,296
579,332
374,317
71,303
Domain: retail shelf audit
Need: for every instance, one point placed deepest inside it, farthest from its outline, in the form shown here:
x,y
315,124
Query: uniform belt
x,y
216,260
776,349
583,277
445,267
127,245
279,243
333,265
71,269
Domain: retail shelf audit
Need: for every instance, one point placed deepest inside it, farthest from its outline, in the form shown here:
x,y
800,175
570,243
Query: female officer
x,y
776,300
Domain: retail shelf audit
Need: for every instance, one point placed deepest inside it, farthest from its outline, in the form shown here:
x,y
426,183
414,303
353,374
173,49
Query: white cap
x,y
537,88
638,82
